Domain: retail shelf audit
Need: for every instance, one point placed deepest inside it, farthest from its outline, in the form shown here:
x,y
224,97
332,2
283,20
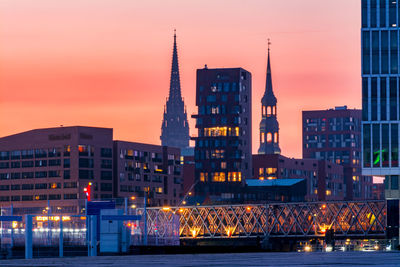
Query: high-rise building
x,y
335,135
175,127
269,126
380,92
223,145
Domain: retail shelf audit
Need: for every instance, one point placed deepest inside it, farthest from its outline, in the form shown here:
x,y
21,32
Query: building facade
x,y
223,145
175,127
380,87
269,126
335,135
51,167
148,169
324,179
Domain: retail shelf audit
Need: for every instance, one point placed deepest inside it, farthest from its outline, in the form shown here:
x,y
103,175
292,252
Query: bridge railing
x,y
309,219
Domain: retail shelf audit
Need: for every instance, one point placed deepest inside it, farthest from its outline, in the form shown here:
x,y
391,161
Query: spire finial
x,y
269,44
175,35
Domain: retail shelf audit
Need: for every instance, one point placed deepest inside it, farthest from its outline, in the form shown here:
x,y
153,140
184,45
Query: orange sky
x,y
107,63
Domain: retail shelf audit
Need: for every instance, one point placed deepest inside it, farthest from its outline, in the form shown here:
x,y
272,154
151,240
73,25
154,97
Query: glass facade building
x,y
380,91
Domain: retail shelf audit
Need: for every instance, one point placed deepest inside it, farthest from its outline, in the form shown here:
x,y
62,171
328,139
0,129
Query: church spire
x,y
175,83
175,127
269,126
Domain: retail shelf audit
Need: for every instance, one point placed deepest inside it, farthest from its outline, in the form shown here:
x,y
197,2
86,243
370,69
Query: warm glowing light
x,y
184,202
52,218
194,232
324,206
133,206
190,193
180,210
14,225
248,208
133,198
166,208
307,248
229,231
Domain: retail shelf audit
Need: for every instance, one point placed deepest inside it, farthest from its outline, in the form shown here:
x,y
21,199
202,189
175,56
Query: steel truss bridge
x,y
361,219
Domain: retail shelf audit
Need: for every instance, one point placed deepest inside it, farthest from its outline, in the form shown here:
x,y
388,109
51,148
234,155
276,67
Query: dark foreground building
x,y
335,135
223,145
54,165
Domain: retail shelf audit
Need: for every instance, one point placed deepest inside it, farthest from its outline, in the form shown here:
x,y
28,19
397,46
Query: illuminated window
x,y
159,190
264,111
218,177
203,177
268,111
129,152
271,171
262,137
269,137
234,176
223,165
276,137
328,192
274,110
237,131
315,191
261,171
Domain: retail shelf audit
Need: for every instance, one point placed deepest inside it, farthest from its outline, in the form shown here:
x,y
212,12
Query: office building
x,y
335,135
53,166
380,87
223,145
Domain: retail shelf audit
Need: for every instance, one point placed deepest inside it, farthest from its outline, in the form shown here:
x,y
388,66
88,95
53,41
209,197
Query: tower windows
x,y
269,137
269,111
264,112
262,137
276,138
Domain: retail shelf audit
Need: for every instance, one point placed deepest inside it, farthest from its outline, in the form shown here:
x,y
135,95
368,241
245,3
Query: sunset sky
x,y
107,63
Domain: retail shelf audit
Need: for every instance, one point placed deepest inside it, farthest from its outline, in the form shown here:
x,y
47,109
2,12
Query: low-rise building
x,y
325,180
46,170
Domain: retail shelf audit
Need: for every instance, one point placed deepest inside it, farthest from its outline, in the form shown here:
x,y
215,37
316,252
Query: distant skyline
x,y
107,63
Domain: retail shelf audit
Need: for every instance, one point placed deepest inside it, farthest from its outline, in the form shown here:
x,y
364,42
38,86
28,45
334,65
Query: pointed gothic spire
x,y
175,83
269,96
175,127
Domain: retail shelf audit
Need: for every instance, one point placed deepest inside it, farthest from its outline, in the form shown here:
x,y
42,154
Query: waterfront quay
x,y
241,259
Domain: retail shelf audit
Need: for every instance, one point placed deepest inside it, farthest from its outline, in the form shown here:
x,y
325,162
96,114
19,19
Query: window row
x,y
380,52
84,150
380,98
379,13
380,145
37,197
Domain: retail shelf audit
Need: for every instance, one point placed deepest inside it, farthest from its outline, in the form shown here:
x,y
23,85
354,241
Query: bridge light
x,y
194,232
248,208
166,208
323,206
133,198
133,206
